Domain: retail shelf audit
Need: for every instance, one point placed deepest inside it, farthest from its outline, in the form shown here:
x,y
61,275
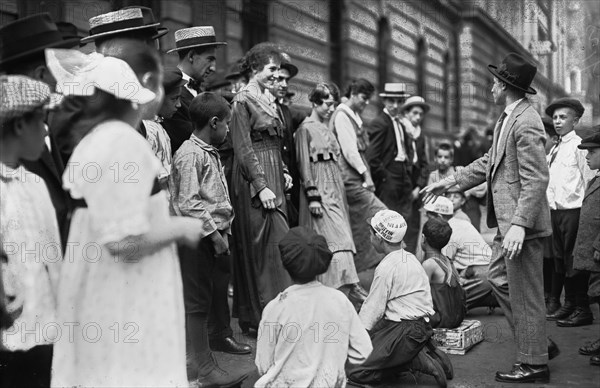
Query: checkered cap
x,y
20,95
116,16
194,32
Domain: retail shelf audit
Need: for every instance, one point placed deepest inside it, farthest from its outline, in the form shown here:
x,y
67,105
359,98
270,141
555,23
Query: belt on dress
x,y
80,202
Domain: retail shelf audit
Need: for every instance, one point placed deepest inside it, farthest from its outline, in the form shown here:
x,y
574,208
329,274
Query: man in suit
x,y
23,42
516,173
389,153
196,47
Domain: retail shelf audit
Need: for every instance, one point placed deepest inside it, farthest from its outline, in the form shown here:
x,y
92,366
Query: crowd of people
x,y
137,198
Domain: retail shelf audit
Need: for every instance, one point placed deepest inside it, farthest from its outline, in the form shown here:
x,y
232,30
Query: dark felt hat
x,y
30,35
304,253
68,30
173,78
516,71
286,63
592,141
565,102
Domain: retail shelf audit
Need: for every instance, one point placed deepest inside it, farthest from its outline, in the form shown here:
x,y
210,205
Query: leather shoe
x,y
563,312
580,317
425,364
441,358
218,378
591,349
553,350
595,360
552,305
230,345
524,373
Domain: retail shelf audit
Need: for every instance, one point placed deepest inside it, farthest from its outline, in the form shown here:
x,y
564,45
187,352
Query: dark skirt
x,y
258,273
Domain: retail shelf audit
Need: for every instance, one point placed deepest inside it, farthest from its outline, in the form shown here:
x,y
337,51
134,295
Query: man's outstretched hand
x,y
436,189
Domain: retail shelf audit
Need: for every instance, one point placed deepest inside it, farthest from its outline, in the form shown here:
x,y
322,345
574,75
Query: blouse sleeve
x,y
347,139
302,139
242,146
114,171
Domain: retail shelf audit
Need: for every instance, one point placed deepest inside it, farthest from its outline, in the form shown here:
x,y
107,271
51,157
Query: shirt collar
x,y
511,107
184,76
387,112
202,144
569,136
351,113
270,97
8,173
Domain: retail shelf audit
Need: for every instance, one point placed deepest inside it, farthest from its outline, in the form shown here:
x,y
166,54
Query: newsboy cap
x,y
565,102
592,141
304,253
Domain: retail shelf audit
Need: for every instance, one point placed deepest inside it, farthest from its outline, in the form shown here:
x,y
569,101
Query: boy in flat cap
x,y
27,221
309,332
397,310
569,175
587,245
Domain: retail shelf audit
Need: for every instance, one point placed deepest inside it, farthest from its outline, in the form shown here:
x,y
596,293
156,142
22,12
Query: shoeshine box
x,y
459,340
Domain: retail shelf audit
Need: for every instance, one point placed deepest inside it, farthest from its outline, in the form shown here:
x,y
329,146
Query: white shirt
x,y
466,246
569,174
306,334
30,240
401,155
508,110
400,291
347,138
187,78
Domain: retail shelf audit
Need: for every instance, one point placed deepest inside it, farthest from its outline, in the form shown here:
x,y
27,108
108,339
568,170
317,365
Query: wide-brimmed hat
x,y
20,95
565,102
188,38
415,101
516,71
123,20
286,63
28,36
389,225
394,90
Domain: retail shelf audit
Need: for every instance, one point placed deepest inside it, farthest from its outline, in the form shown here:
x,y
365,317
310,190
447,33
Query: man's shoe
x,y
552,305
427,365
230,345
595,360
553,350
591,349
218,378
580,317
441,358
524,373
562,313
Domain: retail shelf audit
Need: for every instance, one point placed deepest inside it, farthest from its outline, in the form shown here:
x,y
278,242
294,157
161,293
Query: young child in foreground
x,y
309,332
449,298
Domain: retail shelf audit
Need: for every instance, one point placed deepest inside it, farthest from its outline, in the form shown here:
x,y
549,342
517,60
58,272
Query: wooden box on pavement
x,y
459,340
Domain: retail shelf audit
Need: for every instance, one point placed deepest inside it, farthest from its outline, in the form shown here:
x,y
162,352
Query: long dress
x,y
123,319
362,203
258,273
318,151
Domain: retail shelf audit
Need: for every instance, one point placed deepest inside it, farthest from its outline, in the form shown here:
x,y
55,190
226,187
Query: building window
x,y
383,42
336,33
421,64
255,22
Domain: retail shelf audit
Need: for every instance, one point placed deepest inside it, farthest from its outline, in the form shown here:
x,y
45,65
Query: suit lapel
x,y
48,161
593,187
510,123
391,135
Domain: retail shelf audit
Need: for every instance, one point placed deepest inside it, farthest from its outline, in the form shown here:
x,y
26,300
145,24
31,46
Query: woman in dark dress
x,y
258,189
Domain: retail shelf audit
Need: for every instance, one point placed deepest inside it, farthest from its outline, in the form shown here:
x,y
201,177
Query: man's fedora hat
x,y
415,101
286,63
192,37
123,20
565,102
515,71
30,35
394,90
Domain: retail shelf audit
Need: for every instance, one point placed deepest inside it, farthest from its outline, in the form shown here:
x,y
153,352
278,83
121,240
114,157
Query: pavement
x,y
478,367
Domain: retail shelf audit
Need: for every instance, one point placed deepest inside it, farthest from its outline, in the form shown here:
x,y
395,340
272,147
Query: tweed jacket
x,y
516,175
588,234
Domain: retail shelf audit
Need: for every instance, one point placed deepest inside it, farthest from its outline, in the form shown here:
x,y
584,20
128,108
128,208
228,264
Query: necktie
x,y
194,85
554,151
498,129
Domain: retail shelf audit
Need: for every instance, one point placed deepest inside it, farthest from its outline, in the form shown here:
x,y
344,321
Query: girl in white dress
x,y
120,300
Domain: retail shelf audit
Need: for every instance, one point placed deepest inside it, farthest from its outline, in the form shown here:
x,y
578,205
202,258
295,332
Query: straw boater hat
x,y
415,101
516,72
20,94
394,90
188,38
123,20
28,36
